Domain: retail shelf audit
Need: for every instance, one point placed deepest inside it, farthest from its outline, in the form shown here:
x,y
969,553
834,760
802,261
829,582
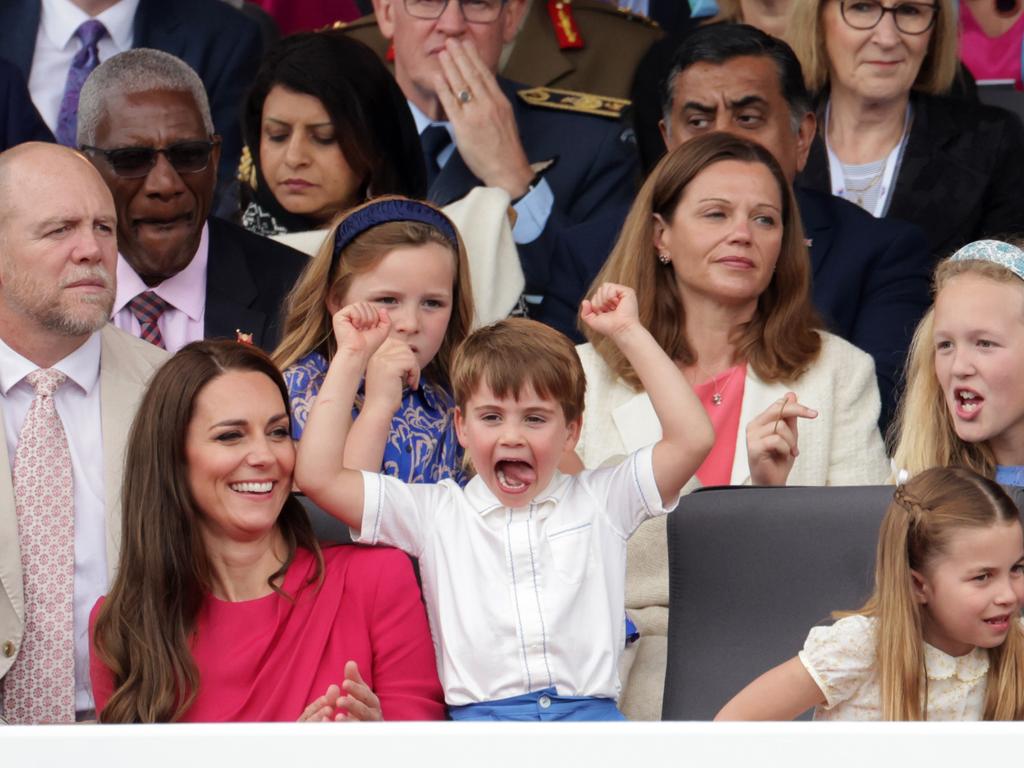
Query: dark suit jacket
x,y
870,282
962,174
247,280
593,180
219,43
19,119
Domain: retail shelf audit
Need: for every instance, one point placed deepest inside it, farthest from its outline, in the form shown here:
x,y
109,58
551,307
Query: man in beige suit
x,y
58,251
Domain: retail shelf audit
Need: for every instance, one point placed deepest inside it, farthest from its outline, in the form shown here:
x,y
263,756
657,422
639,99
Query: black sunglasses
x,y
136,162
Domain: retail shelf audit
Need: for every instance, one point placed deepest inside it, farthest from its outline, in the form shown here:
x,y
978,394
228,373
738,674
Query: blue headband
x,y
384,211
996,251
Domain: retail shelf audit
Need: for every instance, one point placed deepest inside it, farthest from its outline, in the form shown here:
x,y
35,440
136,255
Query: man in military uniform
x,y
564,158
580,45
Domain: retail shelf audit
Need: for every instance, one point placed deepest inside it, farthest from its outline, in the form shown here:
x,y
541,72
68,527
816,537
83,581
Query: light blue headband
x,y
996,251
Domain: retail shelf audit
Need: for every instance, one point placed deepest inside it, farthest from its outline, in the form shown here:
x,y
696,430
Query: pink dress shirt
x,y
185,292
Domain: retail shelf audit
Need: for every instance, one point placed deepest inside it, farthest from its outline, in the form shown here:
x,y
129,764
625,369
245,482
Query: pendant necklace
x,y
716,391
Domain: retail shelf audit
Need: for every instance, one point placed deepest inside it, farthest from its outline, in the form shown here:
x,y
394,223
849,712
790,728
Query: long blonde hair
x,y
919,525
922,435
780,341
307,324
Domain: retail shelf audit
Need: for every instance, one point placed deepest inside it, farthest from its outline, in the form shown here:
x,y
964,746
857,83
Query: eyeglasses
x,y
136,162
910,18
474,11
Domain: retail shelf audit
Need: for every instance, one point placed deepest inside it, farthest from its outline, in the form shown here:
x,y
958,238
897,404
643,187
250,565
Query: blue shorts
x,y
540,705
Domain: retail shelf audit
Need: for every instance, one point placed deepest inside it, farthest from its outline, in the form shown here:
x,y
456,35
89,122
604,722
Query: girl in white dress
x,y
940,638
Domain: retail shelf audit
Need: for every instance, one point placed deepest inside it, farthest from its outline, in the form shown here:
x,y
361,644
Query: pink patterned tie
x,y
40,686
147,308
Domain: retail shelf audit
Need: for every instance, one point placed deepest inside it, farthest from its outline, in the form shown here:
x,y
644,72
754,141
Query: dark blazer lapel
x,y
19,24
929,178
230,290
453,182
818,227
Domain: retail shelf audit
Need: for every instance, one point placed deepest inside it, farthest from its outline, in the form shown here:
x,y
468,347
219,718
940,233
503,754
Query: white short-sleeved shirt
x,y
520,599
841,659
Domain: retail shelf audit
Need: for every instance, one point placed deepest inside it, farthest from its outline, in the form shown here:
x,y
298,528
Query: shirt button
x,y
544,702
8,648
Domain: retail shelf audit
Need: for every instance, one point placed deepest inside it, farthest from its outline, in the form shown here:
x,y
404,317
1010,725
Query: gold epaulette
x,y
574,101
628,14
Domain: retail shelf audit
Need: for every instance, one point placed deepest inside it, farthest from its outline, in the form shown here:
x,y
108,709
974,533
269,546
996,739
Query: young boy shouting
x,y
523,571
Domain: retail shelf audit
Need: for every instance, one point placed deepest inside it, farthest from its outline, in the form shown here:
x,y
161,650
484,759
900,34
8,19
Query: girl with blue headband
x,y
406,257
964,403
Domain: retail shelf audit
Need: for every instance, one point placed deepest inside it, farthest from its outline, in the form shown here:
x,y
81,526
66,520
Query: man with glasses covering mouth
x,y
560,162
144,122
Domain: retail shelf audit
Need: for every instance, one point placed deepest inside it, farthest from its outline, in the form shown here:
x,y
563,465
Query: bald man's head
x,y
58,243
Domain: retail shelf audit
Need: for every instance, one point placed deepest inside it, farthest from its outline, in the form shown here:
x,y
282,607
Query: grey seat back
x,y
751,571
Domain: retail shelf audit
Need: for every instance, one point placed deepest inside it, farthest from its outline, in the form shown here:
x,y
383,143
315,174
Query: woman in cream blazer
x,y
714,249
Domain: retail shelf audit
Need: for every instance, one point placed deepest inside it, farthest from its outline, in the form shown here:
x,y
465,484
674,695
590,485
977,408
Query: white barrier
x,y
501,745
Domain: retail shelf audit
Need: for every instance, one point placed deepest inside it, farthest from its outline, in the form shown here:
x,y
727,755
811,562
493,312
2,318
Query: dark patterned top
x,y
421,447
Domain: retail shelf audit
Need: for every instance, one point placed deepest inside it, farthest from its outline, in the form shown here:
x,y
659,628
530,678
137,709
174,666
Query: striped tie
x,y
147,308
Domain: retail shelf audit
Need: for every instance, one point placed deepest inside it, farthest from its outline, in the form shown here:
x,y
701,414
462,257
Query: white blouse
x,y
841,659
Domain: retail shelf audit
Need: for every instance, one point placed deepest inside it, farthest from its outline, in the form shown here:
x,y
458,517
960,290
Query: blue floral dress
x,y
422,446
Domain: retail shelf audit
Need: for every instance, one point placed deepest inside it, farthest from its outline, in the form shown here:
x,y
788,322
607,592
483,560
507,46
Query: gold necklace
x,y
860,192
716,391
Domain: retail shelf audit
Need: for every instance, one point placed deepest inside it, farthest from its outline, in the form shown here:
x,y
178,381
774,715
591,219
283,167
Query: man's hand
x,y
485,127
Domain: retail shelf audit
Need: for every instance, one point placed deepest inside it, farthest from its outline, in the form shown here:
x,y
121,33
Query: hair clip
x,y
243,338
901,477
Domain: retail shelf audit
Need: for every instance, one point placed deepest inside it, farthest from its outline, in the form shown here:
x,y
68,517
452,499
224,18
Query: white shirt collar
x,y
82,366
483,500
60,19
182,291
423,122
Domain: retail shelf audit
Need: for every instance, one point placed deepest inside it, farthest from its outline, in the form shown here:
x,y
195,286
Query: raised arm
x,y
781,693
320,468
391,368
687,435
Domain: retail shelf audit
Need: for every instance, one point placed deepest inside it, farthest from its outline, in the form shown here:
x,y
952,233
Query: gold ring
x,y
775,429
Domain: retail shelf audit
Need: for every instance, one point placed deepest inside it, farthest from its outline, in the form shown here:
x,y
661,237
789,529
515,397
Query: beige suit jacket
x,y
842,446
126,364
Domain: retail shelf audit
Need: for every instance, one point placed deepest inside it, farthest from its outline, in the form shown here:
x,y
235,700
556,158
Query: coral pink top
x,y
990,58
727,388
267,659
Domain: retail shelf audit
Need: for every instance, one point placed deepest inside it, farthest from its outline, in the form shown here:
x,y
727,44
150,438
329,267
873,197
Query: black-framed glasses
x,y
476,11
136,162
910,18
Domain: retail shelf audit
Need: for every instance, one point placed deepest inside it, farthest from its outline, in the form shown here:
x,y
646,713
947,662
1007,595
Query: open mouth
x,y
253,487
967,401
514,476
999,622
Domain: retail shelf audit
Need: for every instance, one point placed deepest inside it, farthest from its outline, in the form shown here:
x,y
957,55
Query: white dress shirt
x,y
532,209
78,405
520,599
184,320
56,46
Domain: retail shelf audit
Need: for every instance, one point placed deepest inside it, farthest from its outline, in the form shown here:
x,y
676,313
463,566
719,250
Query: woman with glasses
x,y
890,140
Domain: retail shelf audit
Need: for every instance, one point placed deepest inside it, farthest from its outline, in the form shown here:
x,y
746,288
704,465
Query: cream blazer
x,y
126,365
482,218
842,446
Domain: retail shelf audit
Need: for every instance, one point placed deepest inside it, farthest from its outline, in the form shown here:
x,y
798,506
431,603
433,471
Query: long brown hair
x,y
780,341
307,321
920,523
144,629
923,435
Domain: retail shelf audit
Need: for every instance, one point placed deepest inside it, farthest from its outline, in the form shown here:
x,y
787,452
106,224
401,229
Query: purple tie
x,y
85,61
